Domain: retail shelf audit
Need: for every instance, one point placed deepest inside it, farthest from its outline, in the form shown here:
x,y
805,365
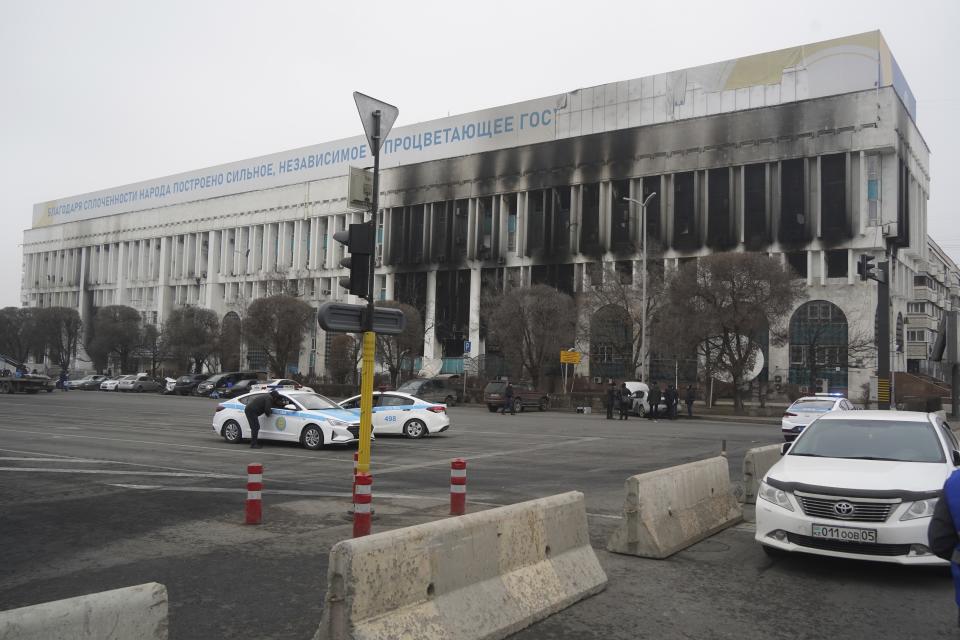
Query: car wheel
x,y
312,437
450,401
139,389
231,432
773,552
544,403
415,429
517,406
492,408
6,387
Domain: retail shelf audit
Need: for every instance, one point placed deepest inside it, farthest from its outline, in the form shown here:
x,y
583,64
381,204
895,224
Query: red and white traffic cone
x,y
356,462
362,499
254,490
458,487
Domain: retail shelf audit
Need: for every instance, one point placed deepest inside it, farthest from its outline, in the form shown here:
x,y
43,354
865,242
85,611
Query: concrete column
x,y
164,302
314,251
213,255
123,296
473,326
429,320
83,305
390,284
822,259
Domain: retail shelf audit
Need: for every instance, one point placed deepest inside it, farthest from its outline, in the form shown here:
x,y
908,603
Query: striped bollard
x,y
458,487
361,505
254,489
356,461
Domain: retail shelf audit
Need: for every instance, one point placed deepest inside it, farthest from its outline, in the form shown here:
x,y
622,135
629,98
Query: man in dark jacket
x,y
612,399
942,533
508,401
691,396
626,401
654,398
673,398
260,406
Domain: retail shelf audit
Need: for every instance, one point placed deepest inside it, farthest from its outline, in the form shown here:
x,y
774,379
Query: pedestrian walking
x,y
691,396
626,401
654,398
942,531
613,397
508,401
261,405
673,399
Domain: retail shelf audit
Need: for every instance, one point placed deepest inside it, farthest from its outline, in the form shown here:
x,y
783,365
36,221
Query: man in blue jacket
x,y
942,533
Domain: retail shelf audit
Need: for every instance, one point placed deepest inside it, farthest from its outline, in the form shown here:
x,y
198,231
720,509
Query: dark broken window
x,y
460,217
719,221
560,225
452,310
685,235
590,219
536,218
441,249
834,217
756,231
620,227
797,260
903,204
837,263
793,217
484,228
595,273
624,269
651,184
510,202
557,276
414,223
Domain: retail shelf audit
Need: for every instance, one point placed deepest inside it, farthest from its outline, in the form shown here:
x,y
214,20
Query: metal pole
x,y
644,354
369,337
883,348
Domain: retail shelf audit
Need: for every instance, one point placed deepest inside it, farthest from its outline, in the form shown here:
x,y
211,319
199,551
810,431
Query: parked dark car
x,y
524,395
88,383
222,381
239,388
186,384
438,389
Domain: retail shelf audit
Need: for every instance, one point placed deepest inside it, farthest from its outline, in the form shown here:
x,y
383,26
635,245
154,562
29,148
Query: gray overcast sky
x,y
103,93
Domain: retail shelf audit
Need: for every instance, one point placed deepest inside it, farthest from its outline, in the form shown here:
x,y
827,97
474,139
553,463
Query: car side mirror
x,y
956,458
786,447
291,407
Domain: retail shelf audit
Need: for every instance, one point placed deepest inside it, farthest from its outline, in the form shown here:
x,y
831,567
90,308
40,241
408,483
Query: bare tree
x,y
152,347
395,351
15,332
342,363
723,304
61,327
191,334
826,341
532,325
277,325
116,331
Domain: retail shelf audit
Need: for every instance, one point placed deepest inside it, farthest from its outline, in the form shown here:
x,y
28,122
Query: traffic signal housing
x,y
865,267
358,241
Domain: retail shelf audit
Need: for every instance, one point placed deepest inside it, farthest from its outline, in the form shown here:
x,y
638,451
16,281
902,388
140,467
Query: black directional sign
x,y
338,316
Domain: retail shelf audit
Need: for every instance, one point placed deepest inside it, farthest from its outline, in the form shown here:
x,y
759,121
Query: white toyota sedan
x,y
402,413
112,384
805,410
309,418
860,485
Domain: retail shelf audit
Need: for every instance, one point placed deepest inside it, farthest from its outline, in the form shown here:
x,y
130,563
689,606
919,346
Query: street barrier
x,y
756,463
668,510
362,498
483,575
131,613
458,487
254,506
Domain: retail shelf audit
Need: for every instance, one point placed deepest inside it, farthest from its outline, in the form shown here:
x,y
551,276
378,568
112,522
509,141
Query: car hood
x,y
872,475
346,415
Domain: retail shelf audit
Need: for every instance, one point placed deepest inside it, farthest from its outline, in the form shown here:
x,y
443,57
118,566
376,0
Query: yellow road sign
x,y
569,357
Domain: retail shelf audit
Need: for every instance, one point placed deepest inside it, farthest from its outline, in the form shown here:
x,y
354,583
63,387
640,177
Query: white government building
x,y
811,154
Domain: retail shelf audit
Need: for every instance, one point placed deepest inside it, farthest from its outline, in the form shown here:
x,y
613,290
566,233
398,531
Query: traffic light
x,y
865,267
358,240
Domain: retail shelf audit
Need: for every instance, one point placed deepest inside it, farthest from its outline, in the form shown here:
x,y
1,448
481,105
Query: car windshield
x,y
870,440
217,378
185,379
411,386
495,387
129,378
315,401
813,406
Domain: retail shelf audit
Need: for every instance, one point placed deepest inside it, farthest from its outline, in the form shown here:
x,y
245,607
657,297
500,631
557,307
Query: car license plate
x,y
844,534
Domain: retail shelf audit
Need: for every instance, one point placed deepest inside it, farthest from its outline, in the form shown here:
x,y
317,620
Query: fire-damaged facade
x,y
810,154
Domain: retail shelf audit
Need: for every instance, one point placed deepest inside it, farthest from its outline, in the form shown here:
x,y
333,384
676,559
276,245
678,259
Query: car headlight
x,y
333,422
774,495
920,509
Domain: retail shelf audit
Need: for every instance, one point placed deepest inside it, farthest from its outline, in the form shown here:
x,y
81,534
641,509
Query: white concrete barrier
x,y
483,575
756,463
131,613
670,509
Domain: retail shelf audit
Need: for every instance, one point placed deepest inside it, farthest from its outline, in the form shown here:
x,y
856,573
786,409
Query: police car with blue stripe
x,y
402,413
311,419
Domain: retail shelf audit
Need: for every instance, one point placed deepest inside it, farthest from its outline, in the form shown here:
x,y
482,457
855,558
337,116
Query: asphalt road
x,y
103,490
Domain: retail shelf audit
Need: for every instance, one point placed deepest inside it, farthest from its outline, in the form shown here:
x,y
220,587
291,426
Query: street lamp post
x,y
644,369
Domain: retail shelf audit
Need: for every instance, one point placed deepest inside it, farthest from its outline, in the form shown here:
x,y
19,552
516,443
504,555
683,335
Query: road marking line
x,y
283,492
83,460
115,472
492,454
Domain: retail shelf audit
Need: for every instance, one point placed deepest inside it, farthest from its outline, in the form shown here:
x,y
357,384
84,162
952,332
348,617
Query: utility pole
x,y
865,269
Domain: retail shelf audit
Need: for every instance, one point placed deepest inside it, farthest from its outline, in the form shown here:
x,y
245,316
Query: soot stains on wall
x,y
686,236
590,220
558,276
548,222
651,184
411,289
453,310
621,229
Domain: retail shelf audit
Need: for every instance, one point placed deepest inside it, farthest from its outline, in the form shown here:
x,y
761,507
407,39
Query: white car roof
x,y
821,398
393,393
878,415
